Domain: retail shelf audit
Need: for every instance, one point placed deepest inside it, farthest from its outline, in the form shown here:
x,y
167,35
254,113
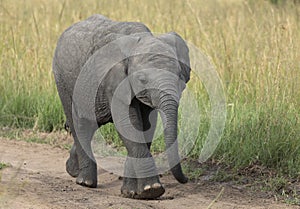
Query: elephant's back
x,y
82,39
73,45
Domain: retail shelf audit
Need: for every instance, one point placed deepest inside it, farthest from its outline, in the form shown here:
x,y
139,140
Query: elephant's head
x,y
157,70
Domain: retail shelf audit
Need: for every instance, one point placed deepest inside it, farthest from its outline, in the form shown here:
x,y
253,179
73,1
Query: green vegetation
x,y
3,165
253,44
192,171
280,2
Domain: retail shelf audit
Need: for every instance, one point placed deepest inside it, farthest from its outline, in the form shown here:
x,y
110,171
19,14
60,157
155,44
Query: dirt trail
x,y
37,180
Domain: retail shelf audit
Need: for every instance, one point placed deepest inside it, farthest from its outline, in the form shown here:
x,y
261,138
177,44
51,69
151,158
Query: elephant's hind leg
x,y
82,163
72,165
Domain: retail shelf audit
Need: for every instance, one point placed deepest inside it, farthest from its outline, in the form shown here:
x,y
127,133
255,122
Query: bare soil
x,y
36,179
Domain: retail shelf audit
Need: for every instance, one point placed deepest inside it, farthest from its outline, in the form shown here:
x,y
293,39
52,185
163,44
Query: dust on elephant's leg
x,y
72,165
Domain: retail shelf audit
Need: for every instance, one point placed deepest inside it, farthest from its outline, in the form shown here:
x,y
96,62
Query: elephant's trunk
x,y
168,108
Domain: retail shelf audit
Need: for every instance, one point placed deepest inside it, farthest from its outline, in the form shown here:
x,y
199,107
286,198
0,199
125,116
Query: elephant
x,y
119,72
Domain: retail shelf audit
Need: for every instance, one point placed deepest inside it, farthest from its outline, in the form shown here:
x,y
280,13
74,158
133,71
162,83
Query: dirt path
x,y
37,180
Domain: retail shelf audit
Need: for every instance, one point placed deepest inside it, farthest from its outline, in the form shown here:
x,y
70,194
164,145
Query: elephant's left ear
x,y
182,51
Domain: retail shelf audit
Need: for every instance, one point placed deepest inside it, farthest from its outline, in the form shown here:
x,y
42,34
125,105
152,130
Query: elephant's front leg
x,y
141,180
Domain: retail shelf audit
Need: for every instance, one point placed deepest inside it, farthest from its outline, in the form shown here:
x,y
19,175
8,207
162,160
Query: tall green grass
x,y
254,45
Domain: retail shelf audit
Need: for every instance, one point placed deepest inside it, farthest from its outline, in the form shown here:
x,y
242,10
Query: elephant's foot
x,y
129,187
149,188
88,176
152,191
72,167
145,188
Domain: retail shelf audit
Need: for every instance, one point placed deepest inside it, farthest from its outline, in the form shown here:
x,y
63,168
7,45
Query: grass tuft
x,y
3,165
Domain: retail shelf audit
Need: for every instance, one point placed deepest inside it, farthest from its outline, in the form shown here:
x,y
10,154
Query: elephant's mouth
x,y
145,98
145,101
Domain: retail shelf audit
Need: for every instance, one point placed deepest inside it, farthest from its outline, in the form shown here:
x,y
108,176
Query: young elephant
x,y
108,71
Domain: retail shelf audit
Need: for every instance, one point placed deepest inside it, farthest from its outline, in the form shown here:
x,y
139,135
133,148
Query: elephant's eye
x,y
142,78
181,77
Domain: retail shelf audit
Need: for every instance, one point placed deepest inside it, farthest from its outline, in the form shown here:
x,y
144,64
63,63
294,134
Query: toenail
x,y
80,180
132,193
156,185
88,182
147,187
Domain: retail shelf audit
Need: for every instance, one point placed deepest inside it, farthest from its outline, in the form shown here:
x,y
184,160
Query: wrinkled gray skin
x,y
78,50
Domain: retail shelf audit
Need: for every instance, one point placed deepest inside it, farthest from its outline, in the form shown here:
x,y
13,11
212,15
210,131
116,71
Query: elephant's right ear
x,y
182,52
